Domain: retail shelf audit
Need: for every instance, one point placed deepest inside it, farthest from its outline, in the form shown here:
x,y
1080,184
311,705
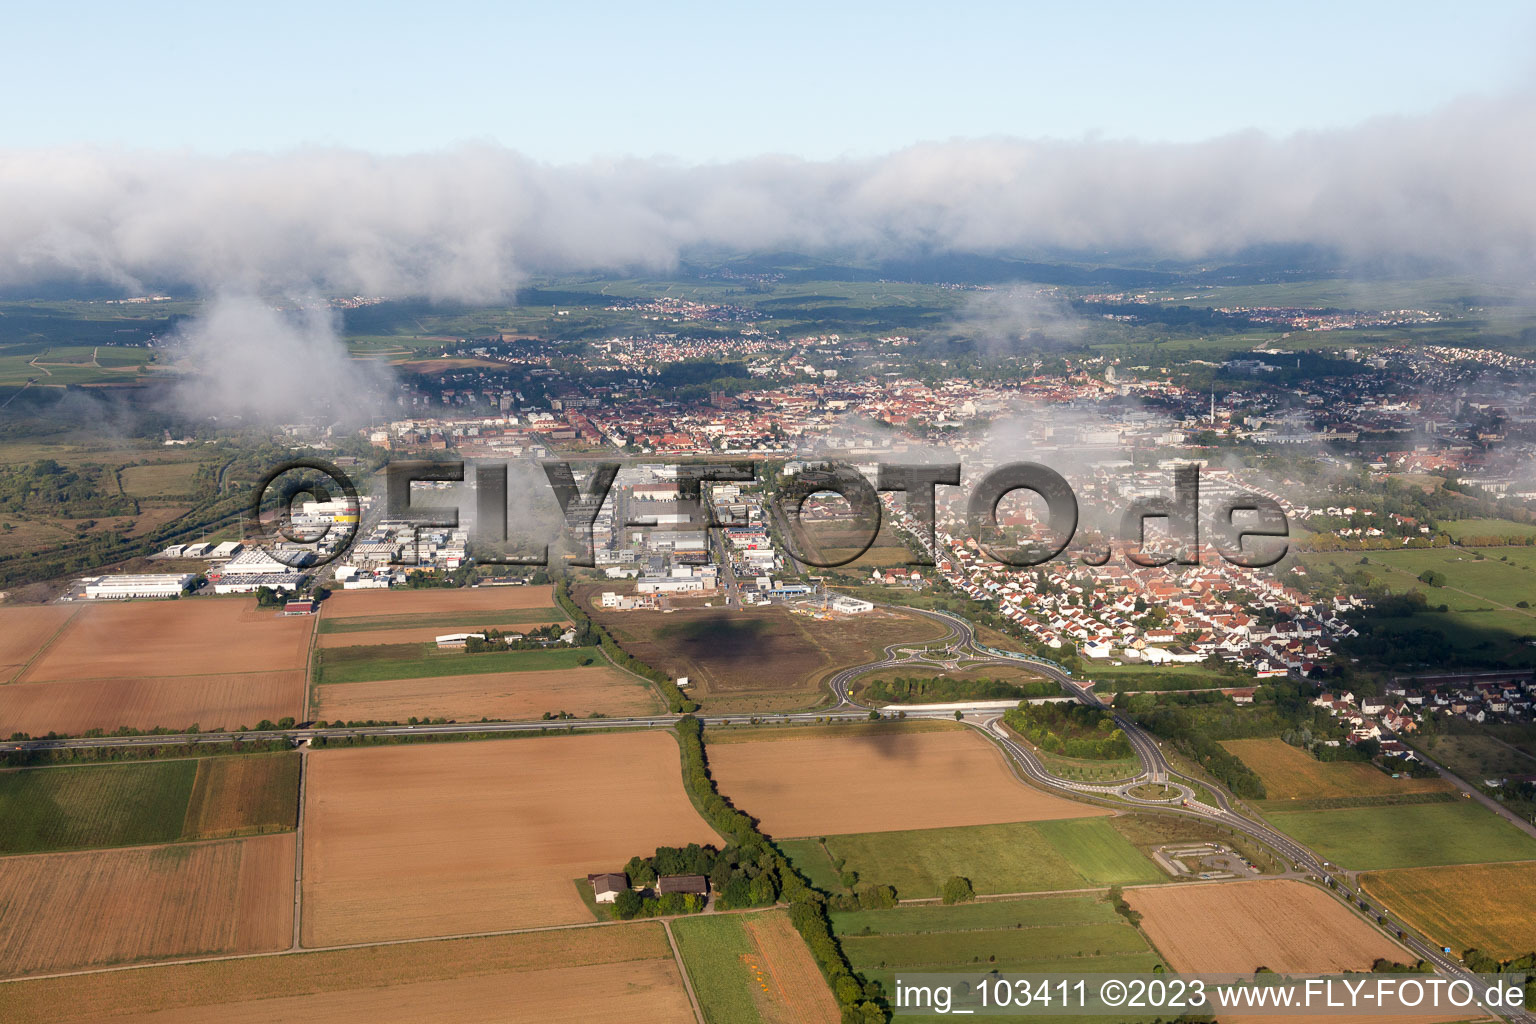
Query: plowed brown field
x,y
23,631
346,604
413,841
812,782
1236,927
73,910
143,703
510,695
189,637
623,973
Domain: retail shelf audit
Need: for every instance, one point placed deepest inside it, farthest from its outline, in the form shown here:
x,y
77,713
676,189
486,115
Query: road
x,y
959,641
1473,793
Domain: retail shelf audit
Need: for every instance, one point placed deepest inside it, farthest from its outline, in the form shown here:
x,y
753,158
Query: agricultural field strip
x,y
333,666
334,948
248,980
936,949
1482,906
364,623
133,804
1408,835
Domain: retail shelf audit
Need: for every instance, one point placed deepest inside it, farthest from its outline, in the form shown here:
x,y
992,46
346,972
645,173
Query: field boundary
x,y
682,969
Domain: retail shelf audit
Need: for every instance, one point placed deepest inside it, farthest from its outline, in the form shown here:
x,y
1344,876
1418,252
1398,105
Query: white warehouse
x,y
121,588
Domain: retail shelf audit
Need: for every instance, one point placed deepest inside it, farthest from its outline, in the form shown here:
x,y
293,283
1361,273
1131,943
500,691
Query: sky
x,y
712,82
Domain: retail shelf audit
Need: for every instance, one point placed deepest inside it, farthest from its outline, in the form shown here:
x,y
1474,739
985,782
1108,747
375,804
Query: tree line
x,y
588,632
904,690
862,1001
1070,729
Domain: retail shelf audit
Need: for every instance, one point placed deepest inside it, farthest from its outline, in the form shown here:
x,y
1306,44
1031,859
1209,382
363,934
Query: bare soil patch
x,y
754,659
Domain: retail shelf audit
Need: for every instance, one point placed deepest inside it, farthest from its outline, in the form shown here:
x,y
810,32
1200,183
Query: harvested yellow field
x,y
504,695
453,838
622,972
1237,927
145,903
1481,906
1290,773
812,782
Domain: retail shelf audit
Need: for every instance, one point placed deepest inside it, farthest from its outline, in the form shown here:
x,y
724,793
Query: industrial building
x,y
122,588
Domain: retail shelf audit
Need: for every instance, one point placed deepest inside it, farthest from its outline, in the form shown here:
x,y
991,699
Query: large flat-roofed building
x,y
670,584
851,605
250,583
121,588
256,562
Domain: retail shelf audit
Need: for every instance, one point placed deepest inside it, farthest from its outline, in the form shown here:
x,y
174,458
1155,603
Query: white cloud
x,y
242,358
470,223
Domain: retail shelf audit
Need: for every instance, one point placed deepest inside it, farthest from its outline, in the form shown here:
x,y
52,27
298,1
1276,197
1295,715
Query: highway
x,y
958,642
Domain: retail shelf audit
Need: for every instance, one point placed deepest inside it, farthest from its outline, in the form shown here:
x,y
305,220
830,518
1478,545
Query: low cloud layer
x,y
467,224
241,358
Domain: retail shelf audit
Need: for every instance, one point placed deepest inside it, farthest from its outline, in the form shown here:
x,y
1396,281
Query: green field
x,y
811,859
458,622
1081,769
1020,857
1099,853
1078,934
1487,581
1134,678
60,365
158,479
75,808
422,661
1459,528
713,949
920,950
1412,835
1029,912
1482,624
80,807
